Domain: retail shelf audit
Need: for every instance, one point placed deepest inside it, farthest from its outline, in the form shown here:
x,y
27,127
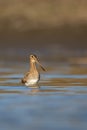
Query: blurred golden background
x,y
24,15
51,21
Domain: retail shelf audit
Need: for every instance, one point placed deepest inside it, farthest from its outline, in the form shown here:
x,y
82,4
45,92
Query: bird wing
x,y
25,77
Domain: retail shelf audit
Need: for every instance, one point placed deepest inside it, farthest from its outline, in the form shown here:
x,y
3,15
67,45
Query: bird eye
x,y
32,56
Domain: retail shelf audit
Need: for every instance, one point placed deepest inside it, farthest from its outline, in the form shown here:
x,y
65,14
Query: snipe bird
x,y
33,76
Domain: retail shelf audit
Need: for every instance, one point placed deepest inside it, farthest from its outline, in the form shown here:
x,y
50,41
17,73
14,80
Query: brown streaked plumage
x,y
32,77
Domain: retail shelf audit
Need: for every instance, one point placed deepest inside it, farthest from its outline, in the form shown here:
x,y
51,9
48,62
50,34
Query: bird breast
x,y
32,78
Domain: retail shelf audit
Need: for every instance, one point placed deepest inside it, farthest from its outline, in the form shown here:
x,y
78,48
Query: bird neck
x,y
33,66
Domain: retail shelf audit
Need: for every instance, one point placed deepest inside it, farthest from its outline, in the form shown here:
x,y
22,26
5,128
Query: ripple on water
x,y
59,103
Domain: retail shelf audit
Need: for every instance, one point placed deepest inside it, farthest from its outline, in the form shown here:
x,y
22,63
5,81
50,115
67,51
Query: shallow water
x,y
59,103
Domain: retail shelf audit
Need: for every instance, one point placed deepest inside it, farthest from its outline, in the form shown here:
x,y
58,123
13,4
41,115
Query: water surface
x,y
59,103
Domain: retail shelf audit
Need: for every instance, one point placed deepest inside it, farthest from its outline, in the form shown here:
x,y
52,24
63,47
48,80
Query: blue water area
x,y
50,107
32,109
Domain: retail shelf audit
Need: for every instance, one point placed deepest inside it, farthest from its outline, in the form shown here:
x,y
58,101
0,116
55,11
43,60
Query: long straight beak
x,y
41,66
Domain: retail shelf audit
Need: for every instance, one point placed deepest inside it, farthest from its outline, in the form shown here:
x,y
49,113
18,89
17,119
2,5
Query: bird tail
x,y
23,81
